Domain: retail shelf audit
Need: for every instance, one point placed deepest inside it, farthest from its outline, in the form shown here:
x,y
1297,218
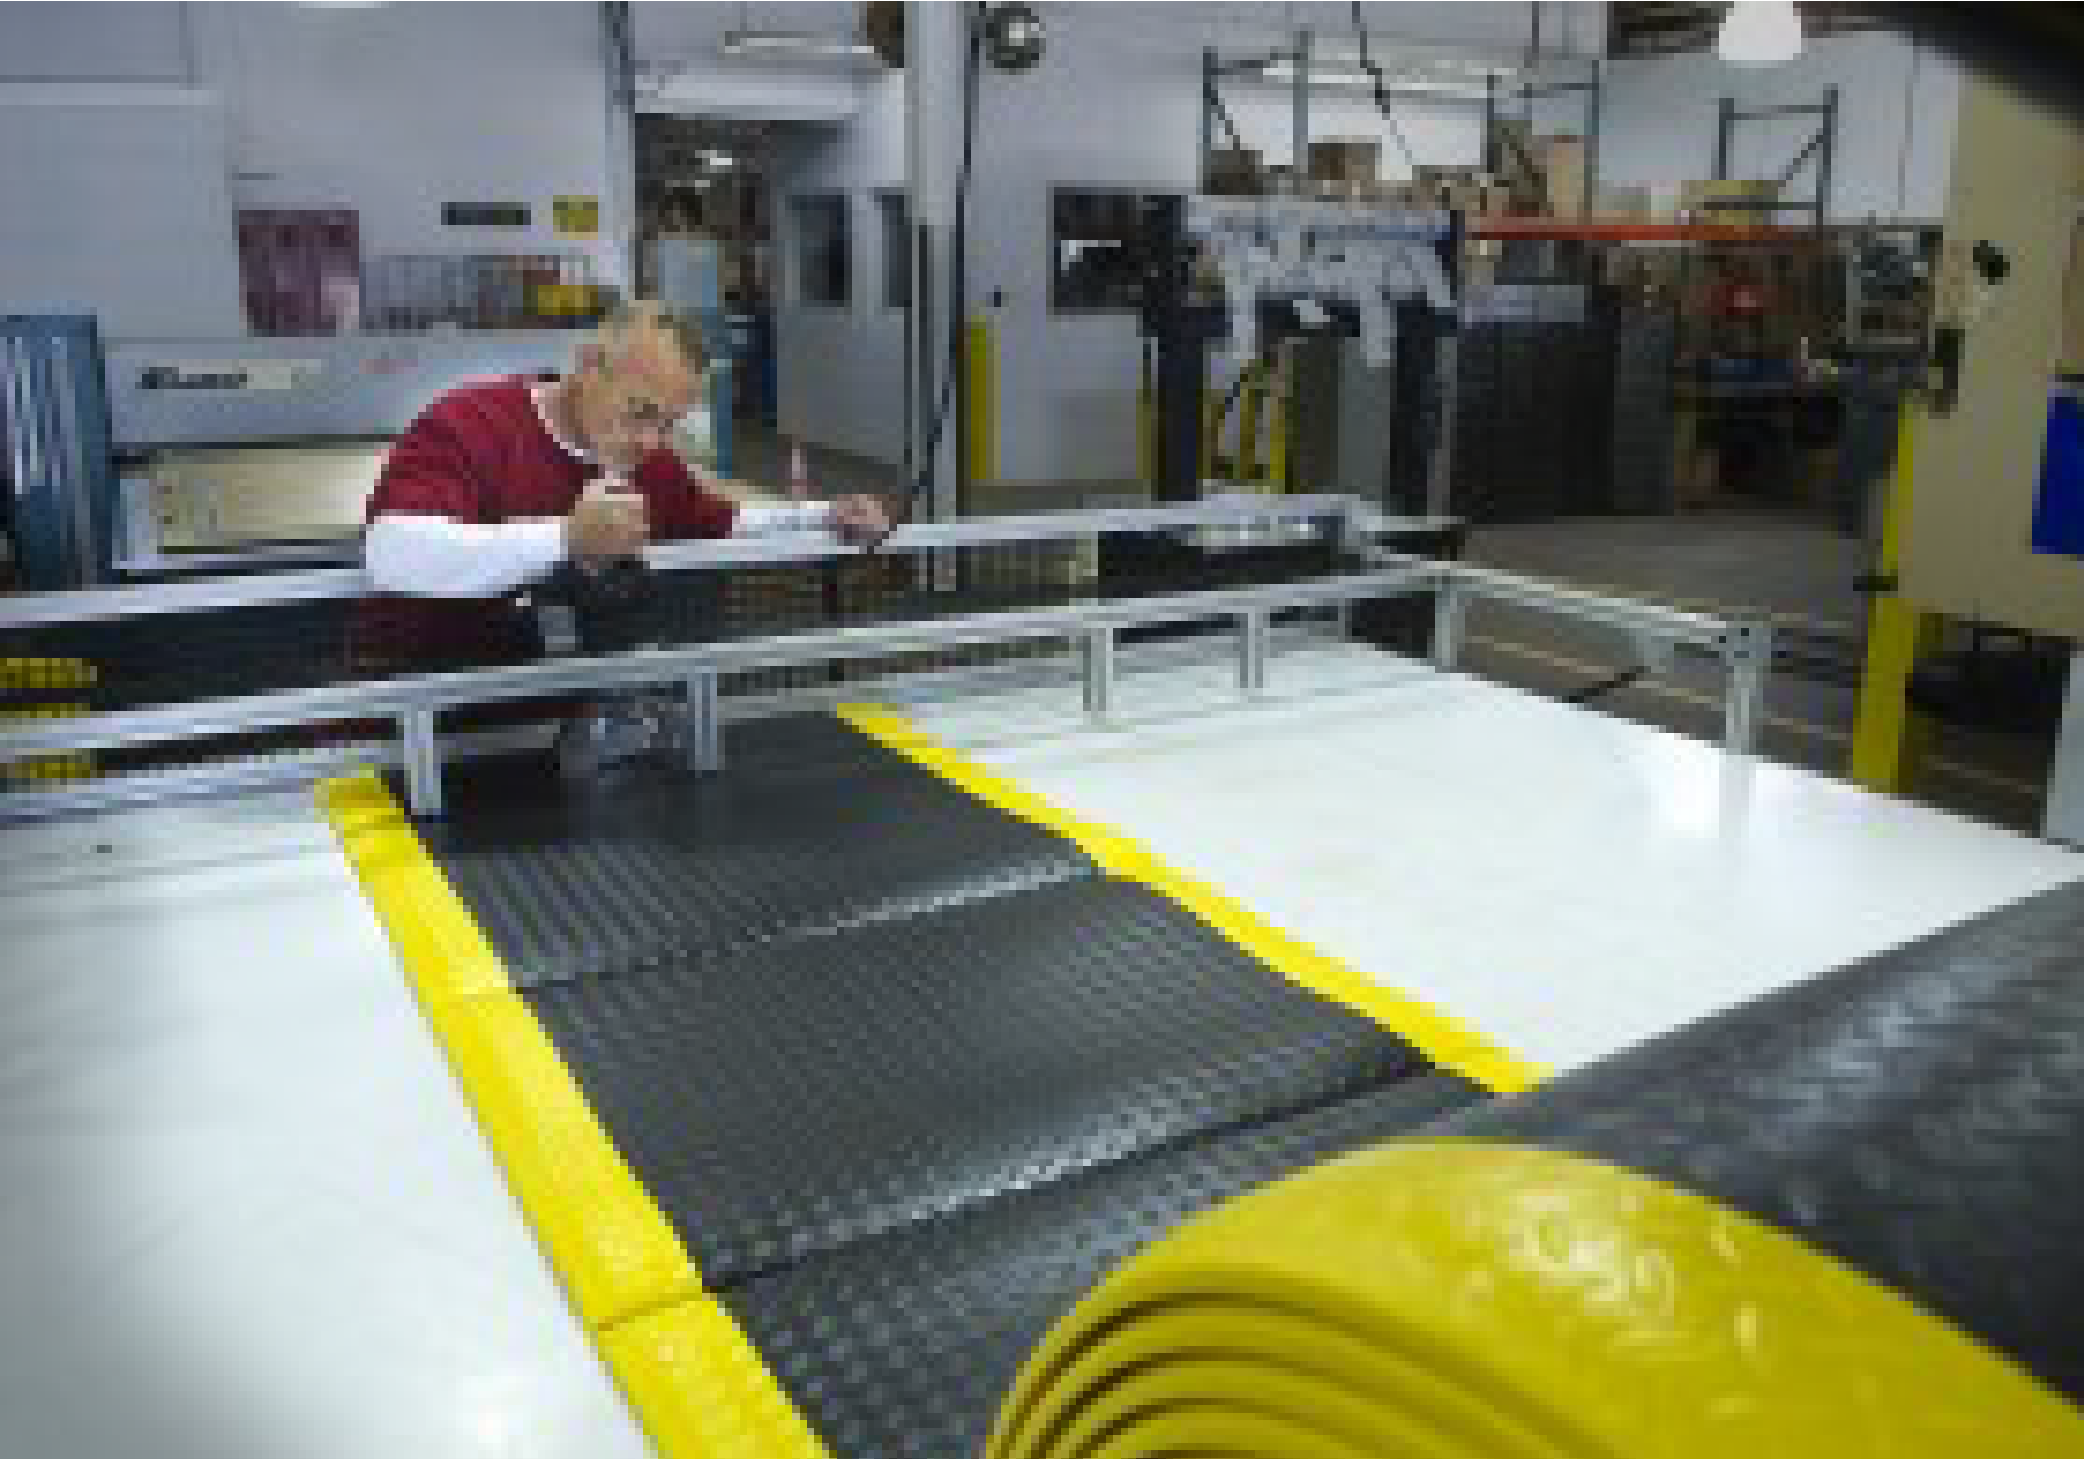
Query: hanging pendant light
x,y
1759,33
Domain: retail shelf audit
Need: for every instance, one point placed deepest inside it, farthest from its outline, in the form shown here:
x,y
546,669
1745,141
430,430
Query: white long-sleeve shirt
x,y
437,557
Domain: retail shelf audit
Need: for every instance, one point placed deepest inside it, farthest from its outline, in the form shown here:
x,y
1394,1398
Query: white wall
x,y
390,110
113,202
395,109
115,42
1895,123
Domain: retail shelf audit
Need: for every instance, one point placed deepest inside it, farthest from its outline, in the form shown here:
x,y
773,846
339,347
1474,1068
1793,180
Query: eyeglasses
x,y
639,414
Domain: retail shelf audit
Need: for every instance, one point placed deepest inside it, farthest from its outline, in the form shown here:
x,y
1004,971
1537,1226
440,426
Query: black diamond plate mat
x,y
902,1346
808,1093
1919,1114
811,828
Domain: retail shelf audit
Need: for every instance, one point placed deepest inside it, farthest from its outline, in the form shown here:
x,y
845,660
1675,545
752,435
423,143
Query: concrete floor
x,y
1793,567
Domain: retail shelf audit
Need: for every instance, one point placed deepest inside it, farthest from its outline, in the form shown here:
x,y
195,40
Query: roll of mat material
x,y
1830,1222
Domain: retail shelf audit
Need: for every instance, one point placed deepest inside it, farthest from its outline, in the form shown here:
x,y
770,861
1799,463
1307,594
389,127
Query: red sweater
x,y
481,454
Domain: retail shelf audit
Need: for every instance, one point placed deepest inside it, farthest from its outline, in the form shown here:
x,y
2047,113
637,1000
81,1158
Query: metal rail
x,y
290,769
1744,646
551,678
776,549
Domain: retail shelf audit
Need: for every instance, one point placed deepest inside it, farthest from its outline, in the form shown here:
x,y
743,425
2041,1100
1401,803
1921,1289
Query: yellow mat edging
x,y
693,1378
1446,1041
609,1243
1586,1308
605,1237
444,951
701,1389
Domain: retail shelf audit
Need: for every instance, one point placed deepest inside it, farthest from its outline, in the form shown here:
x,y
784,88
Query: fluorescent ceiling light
x,y
719,160
794,45
1759,33
1339,75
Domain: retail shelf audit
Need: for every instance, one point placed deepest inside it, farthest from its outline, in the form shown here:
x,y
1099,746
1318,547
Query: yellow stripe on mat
x,y
1460,1299
694,1379
613,1248
701,1389
609,1243
444,950
1444,1040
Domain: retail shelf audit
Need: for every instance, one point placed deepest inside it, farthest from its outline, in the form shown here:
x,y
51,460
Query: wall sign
x,y
230,374
485,215
2058,507
576,216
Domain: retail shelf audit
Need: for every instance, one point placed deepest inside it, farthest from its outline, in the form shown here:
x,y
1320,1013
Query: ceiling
x,y
1573,27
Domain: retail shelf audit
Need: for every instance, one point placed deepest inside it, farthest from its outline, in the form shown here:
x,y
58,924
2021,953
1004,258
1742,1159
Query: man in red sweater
x,y
498,483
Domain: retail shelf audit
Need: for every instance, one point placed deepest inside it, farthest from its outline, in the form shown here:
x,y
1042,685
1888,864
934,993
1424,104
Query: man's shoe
x,y
617,733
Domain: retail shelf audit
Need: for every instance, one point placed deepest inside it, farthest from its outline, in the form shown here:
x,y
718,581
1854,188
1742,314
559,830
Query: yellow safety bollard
x,y
1887,736
982,419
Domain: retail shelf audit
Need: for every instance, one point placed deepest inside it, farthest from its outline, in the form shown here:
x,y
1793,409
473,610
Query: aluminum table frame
x,y
1743,645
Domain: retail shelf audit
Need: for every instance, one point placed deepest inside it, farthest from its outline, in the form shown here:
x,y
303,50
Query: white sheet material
x,y
244,1211
1567,882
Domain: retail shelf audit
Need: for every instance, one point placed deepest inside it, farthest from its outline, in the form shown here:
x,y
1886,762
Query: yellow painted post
x,y
1886,735
982,388
1277,430
1245,465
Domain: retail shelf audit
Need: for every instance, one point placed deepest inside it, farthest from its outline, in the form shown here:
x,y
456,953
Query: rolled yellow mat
x,y
1448,1299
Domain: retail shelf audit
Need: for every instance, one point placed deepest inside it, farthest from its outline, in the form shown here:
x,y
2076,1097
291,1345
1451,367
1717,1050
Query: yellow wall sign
x,y
576,217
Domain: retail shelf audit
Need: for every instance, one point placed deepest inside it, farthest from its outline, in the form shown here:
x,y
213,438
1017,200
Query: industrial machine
x,y
262,452
138,459
1243,276
1976,536
1256,280
53,411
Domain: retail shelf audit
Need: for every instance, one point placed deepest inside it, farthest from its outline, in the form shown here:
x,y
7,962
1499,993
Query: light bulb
x,y
1759,33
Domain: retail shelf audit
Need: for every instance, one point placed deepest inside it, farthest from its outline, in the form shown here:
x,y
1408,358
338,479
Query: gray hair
x,y
634,317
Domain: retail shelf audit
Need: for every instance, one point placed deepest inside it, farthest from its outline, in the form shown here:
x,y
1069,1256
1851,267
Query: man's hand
x,y
605,526
860,520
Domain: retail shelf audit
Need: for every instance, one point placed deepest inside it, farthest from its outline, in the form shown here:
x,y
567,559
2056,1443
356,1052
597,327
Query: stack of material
x,y
1535,366
1645,338
1736,203
1234,172
1563,163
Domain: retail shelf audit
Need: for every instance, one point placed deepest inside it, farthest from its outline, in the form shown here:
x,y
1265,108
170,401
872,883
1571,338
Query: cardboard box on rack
x,y
1233,172
1345,159
1563,161
1736,202
1622,204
